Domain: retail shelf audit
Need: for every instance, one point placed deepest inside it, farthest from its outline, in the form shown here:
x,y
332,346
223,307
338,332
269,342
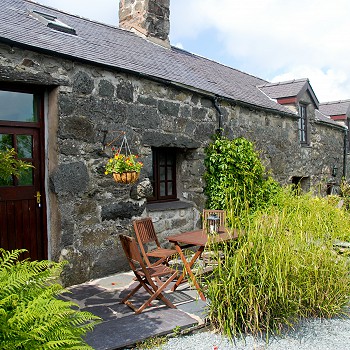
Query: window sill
x,y
163,206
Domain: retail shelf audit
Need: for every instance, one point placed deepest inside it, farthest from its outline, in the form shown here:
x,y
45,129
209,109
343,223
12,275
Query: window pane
x,y
17,107
161,159
5,142
25,146
170,188
162,189
170,160
162,173
26,177
170,174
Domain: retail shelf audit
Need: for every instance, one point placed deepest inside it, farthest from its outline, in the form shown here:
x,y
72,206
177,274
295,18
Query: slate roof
x,y
292,88
335,108
319,116
102,44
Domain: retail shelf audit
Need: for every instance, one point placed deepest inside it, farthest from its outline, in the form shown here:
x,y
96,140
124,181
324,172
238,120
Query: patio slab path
x,y
121,328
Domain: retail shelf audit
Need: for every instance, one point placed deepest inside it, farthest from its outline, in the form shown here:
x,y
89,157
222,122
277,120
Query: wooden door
x,y
22,200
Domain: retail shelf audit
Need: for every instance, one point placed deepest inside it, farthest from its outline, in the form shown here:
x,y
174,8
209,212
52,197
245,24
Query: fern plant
x,y
31,315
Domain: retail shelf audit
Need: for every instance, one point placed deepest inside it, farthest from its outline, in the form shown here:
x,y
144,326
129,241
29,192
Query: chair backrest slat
x,y
132,253
221,214
145,231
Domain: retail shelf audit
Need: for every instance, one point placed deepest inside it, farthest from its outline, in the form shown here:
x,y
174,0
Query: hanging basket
x,y
125,167
127,177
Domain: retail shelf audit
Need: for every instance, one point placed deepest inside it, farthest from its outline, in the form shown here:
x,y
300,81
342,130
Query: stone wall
x,y
87,209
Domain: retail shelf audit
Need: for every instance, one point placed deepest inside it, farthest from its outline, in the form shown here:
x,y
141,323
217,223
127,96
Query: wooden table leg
x,y
188,266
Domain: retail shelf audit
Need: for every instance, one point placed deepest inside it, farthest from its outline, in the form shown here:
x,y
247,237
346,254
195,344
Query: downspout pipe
x,y
220,128
345,154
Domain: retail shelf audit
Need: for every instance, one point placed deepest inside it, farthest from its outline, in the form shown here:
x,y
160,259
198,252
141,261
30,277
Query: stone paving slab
x,y
126,331
121,327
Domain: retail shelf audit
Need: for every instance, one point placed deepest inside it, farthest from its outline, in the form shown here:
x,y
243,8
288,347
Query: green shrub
x,y
282,268
234,170
31,316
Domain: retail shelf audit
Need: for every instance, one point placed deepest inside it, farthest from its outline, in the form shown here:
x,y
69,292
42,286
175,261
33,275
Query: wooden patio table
x,y
196,238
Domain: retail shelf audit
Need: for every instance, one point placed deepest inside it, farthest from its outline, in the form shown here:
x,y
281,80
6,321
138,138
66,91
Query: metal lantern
x,y
213,222
334,171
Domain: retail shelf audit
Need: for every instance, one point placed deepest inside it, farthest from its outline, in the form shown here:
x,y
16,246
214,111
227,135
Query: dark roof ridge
x,y
286,82
334,102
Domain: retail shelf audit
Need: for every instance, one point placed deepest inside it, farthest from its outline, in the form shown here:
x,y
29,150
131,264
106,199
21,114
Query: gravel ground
x,y
313,334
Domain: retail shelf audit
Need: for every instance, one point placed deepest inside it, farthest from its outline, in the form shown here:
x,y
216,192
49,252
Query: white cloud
x,y
278,38
329,85
179,45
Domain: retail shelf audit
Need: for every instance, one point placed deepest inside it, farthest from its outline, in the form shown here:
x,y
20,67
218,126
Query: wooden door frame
x,y
40,125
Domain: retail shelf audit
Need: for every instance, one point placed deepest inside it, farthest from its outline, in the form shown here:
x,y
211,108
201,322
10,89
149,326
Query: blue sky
x,y
276,40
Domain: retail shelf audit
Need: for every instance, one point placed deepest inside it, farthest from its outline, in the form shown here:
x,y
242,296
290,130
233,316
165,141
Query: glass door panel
x,y
6,141
18,106
24,146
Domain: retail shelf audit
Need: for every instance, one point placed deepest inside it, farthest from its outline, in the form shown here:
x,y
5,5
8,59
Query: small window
x,y
164,174
303,124
52,22
301,184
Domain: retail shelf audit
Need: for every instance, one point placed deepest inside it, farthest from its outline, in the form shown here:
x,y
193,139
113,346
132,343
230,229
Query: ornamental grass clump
x,y
283,267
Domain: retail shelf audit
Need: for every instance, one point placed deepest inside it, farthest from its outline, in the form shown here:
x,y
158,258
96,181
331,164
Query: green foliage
x,y
10,165
345,193
159,341
282,267
31,316
121,163
152,343
235,171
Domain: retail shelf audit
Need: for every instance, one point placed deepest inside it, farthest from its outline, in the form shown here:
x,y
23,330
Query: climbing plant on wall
x,y
234,170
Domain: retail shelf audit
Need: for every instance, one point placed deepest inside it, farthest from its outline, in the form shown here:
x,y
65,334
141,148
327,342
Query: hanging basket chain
x,y
121,133
123,165
126,146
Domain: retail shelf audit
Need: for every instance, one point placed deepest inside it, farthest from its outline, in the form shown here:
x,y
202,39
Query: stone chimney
x,y
148,18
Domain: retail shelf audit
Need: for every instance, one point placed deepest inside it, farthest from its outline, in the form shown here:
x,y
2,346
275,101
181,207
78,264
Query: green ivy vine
x,y
235,174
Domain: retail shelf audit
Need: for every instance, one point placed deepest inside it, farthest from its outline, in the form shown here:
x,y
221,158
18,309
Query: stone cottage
x,y
70,86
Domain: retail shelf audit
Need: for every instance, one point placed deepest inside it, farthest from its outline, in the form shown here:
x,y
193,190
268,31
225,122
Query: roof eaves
x,y
333,125
150,77
326,120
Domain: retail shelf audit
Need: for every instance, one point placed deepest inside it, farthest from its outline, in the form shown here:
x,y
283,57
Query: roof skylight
x,y
52,22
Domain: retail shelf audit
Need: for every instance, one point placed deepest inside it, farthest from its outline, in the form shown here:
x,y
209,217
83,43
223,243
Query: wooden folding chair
x,y
221,214
145,274
146,234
